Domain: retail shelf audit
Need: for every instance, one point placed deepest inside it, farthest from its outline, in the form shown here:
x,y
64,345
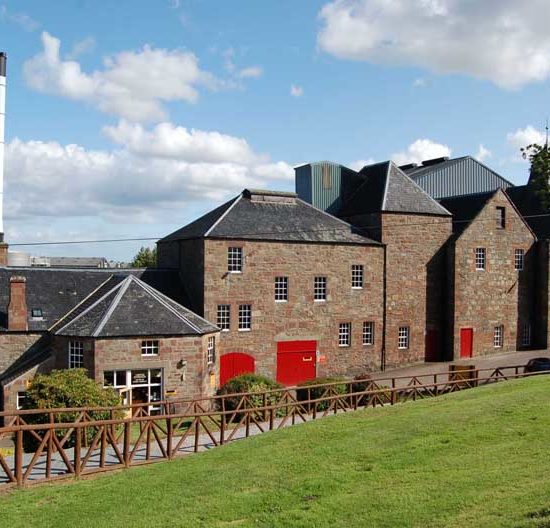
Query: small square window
x,y
36,313
235,259
281,289
501,217
498,336
211,351
344,335
245,317
320,289
480,259
76,354
368,333
150,347
224,317
357,276
403,337
519,259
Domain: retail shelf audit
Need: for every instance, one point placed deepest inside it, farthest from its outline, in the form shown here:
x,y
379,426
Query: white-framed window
x,y
224,317
480,259
320,289
519,259
245,317
526,334
21,397
368,333
150,347
281,289
211,351
501,217
498,336
357,275
403,337
235,259
137,386
344,335
76,354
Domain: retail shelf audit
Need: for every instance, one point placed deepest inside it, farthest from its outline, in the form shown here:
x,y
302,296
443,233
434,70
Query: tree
x,y
145,258
539,175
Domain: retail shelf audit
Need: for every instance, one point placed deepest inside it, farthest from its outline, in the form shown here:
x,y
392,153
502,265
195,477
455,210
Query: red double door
x,y
234,364
296,361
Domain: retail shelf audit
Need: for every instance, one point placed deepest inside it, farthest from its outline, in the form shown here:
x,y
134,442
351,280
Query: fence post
x,y
169,438
77,450
19,457
127,443
196,448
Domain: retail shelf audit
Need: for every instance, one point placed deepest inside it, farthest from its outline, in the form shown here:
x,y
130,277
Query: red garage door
x,y
296,361
235,364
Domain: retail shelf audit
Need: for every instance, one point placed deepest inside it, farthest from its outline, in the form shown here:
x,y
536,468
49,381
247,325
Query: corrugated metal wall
x,y
320,184
464,177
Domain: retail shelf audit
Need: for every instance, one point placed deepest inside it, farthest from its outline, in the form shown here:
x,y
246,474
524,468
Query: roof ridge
x,y
386,185
122,290
215,224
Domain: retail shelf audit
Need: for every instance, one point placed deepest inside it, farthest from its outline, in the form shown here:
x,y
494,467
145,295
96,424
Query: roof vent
x,y
408,166
434,161
258,195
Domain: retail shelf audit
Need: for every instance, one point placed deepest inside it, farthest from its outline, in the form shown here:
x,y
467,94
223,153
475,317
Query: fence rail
x,y
79,441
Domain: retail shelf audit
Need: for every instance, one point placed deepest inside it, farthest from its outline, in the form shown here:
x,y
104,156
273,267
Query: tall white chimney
x,y
3,60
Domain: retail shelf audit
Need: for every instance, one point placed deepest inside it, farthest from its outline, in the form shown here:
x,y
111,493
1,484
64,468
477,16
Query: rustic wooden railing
x,y
80,441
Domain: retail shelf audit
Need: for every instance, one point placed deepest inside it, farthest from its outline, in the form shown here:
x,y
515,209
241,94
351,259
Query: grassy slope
x,y
476,458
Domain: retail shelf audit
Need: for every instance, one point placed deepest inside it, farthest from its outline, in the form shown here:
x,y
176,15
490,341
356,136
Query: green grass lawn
x,y
478,458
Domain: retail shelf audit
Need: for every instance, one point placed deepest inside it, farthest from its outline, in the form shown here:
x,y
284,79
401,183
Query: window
x,y
501,217
150,348
519,259
235,259
498,336
403,337
320,289
21,397
368,333
344,335
281,289
245,317
526,334
137,386
224,317
211,351
357,276
36,313
480,259
76,354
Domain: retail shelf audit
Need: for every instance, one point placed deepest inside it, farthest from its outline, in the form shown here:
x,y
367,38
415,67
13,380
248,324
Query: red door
x,y
235,364
466,342
296,361
432,352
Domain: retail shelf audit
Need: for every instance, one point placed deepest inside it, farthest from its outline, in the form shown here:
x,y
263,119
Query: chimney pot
x,y
17,307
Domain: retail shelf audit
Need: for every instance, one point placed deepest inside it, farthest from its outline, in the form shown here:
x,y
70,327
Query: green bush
x,y
304,393
361,382
64,389
253,383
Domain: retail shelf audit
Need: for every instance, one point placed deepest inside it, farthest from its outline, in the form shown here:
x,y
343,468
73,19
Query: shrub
x,y
361,382
63,389
304,393
253,383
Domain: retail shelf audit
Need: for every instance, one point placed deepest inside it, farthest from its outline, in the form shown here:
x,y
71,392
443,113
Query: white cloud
x,y
505,41
133,84
420,150
82,47
21,19
252,72
420,82
359,164
296,91
483,153
525,136
146,180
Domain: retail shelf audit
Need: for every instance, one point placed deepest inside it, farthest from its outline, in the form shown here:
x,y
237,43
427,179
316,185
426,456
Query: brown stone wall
x,y
499,295
301,318
416,272
13,345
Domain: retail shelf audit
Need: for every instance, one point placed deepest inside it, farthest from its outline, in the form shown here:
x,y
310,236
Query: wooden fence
x,y
53,444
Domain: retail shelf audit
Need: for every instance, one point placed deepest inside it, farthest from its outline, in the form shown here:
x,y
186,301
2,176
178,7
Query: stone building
x,y
296,292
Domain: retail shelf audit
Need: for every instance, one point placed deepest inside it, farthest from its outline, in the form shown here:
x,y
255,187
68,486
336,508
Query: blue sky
x,y
132,119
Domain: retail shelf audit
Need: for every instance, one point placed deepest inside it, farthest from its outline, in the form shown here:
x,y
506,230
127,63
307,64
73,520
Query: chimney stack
x,y
17,307
3,245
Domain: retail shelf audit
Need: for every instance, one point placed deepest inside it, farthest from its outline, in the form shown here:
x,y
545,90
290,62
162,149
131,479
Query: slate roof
x,y
57,291
531,209
465,209
270,215
387,188
127,306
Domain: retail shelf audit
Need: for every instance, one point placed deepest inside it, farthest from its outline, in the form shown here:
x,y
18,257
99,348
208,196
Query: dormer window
x,y
36,313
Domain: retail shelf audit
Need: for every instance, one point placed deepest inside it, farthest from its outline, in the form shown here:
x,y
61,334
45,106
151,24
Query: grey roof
x,y
270,215
78,262
387,188
444,177
465,209
530,207
57,291
127,306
